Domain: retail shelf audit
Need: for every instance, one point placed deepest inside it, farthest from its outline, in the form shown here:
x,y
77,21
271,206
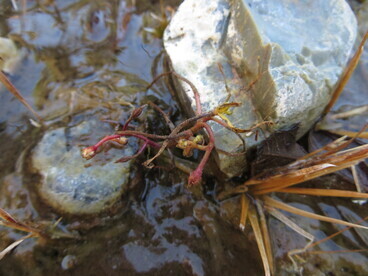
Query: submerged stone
x,y
67,184
292,51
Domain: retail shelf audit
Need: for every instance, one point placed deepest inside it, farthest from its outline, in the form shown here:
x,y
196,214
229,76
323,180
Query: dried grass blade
x,y
356,178
244,203
324,192
336,251
228,193
329,164
346,74
334,234
6,216
353,136
295,177
21,227
266,235
7,83
353,112
281,217
349,133
279,205
9,221
253,218
13,245
294,174
334,144
221,69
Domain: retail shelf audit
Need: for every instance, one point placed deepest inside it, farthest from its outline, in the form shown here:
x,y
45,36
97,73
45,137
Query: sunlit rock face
x,y
292,51
68,183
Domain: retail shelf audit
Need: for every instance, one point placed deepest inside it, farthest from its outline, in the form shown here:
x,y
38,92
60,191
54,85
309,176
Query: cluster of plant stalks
x,y
7,220
46,231
186,135
256,200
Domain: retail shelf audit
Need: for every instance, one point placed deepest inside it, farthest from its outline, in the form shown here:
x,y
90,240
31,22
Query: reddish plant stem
x,y
142,148
175,134
136,113
123,134
196,175
194,89
148,141
153,136
163,114
127,158
104,140
142,134
222,123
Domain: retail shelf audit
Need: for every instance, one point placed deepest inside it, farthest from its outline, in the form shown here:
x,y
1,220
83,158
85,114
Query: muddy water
x,y
93,59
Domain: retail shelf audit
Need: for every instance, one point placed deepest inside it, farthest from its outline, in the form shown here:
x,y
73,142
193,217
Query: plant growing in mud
x,y
186,136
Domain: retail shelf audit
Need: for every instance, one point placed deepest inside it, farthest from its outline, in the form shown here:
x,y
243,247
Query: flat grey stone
x,y
296,51
67,184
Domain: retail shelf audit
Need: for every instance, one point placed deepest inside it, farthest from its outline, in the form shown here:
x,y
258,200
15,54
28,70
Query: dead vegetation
x,y
256,193
9,221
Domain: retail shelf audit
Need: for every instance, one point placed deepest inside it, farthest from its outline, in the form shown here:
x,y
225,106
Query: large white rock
x,y
298,48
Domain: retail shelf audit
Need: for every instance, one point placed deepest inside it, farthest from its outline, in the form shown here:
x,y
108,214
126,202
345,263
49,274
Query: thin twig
x,y
12,89
346,75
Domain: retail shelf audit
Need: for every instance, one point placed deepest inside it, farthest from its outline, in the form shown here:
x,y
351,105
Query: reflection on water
x,y
83,59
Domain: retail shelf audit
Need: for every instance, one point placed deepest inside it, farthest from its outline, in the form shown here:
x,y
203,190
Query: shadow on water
x,y
84,59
